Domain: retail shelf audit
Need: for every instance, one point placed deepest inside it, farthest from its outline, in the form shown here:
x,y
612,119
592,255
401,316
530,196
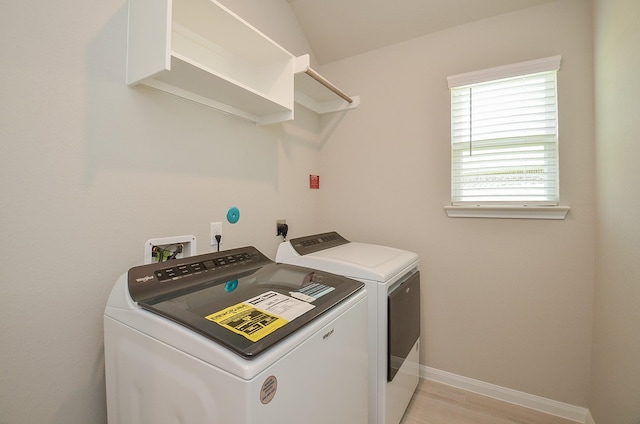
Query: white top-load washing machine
x,y
392,280
232,337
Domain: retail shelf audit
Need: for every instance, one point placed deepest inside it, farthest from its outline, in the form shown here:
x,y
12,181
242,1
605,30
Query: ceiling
x,y
337,29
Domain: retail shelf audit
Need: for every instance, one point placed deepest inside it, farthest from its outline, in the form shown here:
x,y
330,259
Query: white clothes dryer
x,y
232,337
392,279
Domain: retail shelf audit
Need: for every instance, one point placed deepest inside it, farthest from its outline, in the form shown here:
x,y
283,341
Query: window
x,y
504,135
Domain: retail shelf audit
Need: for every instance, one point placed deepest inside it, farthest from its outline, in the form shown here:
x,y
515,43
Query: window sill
x,y
517,212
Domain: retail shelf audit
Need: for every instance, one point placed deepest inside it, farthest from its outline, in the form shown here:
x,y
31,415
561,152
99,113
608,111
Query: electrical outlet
x,y
216,230
281,228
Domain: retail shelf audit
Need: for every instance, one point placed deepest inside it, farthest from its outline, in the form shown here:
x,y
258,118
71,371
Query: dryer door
x,y
404,322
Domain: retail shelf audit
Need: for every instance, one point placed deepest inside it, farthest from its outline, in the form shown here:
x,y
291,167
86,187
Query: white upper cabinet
x,y
201,51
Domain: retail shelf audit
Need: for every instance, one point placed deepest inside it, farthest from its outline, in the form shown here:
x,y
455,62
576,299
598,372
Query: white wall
x,y
615,392
90,169
505,301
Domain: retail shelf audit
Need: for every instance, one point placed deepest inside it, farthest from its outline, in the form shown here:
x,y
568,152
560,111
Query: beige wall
x,y
85,162
615,393
505,301
90,169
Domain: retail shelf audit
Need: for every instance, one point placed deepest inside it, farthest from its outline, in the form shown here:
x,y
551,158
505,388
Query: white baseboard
x,y
549,406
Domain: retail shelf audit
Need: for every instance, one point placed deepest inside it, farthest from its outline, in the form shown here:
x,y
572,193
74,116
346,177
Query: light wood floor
x,y
435,403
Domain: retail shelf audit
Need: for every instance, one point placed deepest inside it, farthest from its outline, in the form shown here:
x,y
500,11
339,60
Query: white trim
x,y
523,212
548,406
589,419
506,71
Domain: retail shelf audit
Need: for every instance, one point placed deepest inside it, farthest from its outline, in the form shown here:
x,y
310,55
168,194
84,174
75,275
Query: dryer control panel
x,y
317,242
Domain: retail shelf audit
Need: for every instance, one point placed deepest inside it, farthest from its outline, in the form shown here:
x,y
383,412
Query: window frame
x,y
508,209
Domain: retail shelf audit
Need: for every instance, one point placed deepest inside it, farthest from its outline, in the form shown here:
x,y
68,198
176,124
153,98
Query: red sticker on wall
x,y
314,181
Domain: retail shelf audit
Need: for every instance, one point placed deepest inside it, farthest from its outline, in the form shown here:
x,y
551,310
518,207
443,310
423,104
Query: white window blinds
x,y
504,135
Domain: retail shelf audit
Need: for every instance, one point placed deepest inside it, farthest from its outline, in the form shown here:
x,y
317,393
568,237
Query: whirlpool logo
x,y
144,279
327,334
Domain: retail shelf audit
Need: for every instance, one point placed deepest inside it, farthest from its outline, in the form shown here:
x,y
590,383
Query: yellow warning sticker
x,y
255,318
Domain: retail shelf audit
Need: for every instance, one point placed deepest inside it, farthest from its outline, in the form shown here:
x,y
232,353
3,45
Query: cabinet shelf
x,y
315,92
201,51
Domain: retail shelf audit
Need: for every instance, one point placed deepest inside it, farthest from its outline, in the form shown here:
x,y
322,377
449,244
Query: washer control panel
x,y
162,278
180,270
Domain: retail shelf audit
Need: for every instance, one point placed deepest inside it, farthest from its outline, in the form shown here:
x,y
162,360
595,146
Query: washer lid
x,y
351,259
247,305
